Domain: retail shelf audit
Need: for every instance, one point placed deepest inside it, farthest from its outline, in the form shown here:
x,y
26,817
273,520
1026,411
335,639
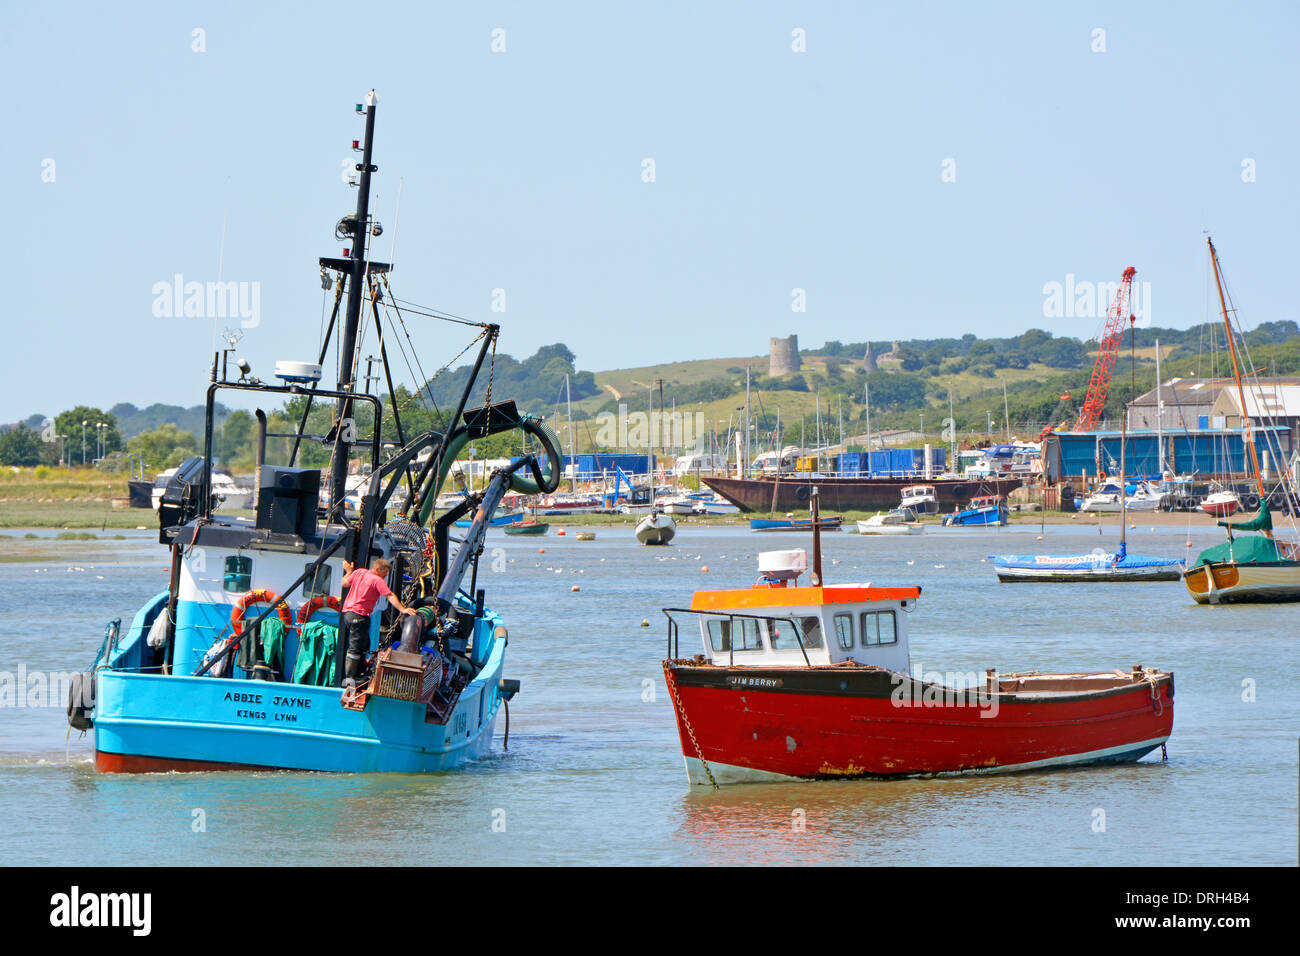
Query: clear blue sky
x,y
522,170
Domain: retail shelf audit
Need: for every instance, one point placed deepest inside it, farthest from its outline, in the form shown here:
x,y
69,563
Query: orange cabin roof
x,y
758,598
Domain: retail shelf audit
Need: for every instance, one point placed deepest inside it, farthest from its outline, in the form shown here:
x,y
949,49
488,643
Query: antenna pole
x,y
351,321
817,538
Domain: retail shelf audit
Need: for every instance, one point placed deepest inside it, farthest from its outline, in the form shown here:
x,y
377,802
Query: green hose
x,y
522,482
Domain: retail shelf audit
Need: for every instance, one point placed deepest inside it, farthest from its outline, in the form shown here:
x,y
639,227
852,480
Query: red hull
x,y
851,722
133,763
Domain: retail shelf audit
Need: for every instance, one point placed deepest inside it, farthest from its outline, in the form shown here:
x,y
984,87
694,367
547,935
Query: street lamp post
x,y
83,442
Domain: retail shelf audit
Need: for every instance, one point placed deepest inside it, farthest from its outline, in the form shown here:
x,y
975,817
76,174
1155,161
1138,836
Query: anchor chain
x,y
686,722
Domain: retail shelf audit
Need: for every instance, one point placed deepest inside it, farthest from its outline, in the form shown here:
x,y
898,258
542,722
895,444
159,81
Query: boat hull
x,y
866,527
976,519
842,721
849,494
527,528
1081,575
656,530
147,722
804,524
1228,583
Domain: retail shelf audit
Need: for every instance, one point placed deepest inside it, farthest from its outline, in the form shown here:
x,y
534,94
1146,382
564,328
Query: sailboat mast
x,y
1006,411
1123,491
1160,434
952,429
573,460
348,340
1247,435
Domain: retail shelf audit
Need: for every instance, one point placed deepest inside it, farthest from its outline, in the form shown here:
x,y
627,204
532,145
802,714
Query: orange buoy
x,y
704,569
560,532
541,550
575,588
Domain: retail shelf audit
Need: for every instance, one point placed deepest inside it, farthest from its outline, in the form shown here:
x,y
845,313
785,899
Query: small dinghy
x,y
527,527
794,524
657,528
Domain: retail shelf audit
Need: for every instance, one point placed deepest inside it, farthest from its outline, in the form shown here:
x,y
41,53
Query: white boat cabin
x,y
778,623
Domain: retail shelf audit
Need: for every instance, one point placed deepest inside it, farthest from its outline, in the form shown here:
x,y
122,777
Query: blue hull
x,y
496,522
975,518
152,721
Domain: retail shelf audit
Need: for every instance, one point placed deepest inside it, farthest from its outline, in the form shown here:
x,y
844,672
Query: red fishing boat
x,y
814,681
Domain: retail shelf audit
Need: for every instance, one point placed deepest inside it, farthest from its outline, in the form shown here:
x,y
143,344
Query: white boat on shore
x,y
898,521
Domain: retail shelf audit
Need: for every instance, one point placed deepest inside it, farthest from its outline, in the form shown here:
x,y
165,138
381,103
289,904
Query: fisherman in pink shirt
x,y
365,587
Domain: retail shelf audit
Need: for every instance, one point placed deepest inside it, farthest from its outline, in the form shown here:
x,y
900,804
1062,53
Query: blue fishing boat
x,y
988,510
240,662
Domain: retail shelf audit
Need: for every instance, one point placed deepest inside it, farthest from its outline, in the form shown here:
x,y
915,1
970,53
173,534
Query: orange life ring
x,y
259,596
315,604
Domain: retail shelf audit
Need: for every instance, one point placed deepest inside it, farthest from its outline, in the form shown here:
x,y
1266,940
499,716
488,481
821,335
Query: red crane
x,y
1112,337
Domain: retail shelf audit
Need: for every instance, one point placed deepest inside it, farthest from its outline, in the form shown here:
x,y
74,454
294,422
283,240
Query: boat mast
x,y
1006,410
1160,435
573,460
1123,491
952,430
1247,435
348,341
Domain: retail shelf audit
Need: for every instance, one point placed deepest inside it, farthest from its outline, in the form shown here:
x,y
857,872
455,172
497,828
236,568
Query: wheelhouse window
x,y
719,633
844,631
812,631
749,638
238,574
735,634
879,627
317,585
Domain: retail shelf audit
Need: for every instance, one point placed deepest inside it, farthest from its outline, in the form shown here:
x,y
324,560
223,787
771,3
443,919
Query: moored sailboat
x,y
1099,565
1255,567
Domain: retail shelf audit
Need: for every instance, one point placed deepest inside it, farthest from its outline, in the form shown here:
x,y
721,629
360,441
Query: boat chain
x,y
1157,705
686,721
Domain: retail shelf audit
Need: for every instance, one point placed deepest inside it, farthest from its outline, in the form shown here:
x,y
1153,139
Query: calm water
x,y
594,773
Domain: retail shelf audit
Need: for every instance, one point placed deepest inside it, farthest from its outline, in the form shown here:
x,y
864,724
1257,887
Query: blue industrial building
x,y
1200,451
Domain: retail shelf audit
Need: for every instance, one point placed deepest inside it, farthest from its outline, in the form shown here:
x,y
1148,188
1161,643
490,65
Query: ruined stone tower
x,y
783,356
